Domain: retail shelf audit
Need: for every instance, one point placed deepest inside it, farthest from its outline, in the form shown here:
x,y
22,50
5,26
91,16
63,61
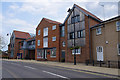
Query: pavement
x,y
51,69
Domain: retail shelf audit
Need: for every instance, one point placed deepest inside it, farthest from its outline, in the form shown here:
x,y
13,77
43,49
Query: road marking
x,y
88,72
55,74
29,67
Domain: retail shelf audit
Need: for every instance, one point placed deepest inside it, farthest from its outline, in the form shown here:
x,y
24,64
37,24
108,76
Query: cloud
x,y
18,24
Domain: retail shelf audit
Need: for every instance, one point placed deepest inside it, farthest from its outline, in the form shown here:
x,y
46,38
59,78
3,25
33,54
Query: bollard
x,y
93,62
100,63
118,64
86,62
108,64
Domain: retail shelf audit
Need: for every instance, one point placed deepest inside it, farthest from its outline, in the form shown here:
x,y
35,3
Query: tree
x,y
2,42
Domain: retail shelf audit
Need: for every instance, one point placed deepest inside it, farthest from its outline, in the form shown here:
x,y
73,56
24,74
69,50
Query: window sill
x,y
53,56
53,41
117,30
98,34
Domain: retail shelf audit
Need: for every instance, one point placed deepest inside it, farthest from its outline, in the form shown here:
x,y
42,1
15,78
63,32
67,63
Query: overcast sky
x,y
25,15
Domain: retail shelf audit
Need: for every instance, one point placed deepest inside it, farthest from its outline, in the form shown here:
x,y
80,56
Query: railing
x,y
109,64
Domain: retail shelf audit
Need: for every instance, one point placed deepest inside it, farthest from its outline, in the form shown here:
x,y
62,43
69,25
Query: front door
x,y
63,56
99,53
45,54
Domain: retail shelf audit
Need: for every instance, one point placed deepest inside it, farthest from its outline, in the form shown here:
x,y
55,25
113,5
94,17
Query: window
x,y
72,35
32,42
63,43
72,20
62,31
45,32
99,49
54,38
78,51
38,32
98,31
39,54
22,44
53,52
118,49
118,25
45,42
80,34
38,42
54,27
78,18
75,19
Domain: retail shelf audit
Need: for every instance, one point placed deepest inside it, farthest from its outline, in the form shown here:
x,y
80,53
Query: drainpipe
x,y
89,39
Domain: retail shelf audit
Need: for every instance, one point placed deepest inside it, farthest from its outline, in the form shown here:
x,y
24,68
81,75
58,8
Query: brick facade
x,y
85,50
51,44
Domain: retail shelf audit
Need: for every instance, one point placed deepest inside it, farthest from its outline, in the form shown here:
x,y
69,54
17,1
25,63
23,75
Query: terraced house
x,y
60,41
77,34
27,48
47,40
105,40
16,37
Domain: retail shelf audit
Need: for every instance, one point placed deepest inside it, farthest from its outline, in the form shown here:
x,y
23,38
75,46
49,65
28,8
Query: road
x,y
11,69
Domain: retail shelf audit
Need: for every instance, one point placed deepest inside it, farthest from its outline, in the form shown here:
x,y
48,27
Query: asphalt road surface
x,y
11,69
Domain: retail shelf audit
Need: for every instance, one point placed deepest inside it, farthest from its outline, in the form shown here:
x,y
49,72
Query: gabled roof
x,y
88,12
51,21
85,12
107,21
20,34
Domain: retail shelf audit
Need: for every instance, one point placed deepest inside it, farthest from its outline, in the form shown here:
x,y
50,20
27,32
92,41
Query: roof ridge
x,y
89,13
20,31
52,21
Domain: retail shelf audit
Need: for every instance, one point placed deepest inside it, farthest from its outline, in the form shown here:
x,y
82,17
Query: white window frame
x,y
77,51
45,31
54,38
54,27
39,32
54,49
118,25
39,53
118,49
38,43
98,32
63,43
45,42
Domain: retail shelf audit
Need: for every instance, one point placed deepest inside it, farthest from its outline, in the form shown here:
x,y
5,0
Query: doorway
x,y
99,53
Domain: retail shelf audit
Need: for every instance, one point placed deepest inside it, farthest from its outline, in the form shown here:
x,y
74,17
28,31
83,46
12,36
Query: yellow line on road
x,y
14,75
109,76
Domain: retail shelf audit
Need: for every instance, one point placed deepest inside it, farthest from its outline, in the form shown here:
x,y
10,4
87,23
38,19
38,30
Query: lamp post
x,y
70,10
74,38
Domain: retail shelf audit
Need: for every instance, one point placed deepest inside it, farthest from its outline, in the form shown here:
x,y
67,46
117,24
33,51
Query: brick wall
x,y
51,33
85,50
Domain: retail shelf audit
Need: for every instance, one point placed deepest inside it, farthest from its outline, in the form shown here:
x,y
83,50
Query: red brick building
x,y
27,48
77,27
47,40
16,37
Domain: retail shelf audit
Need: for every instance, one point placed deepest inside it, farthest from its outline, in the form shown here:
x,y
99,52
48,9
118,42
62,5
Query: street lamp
x,y
70,11
74,38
